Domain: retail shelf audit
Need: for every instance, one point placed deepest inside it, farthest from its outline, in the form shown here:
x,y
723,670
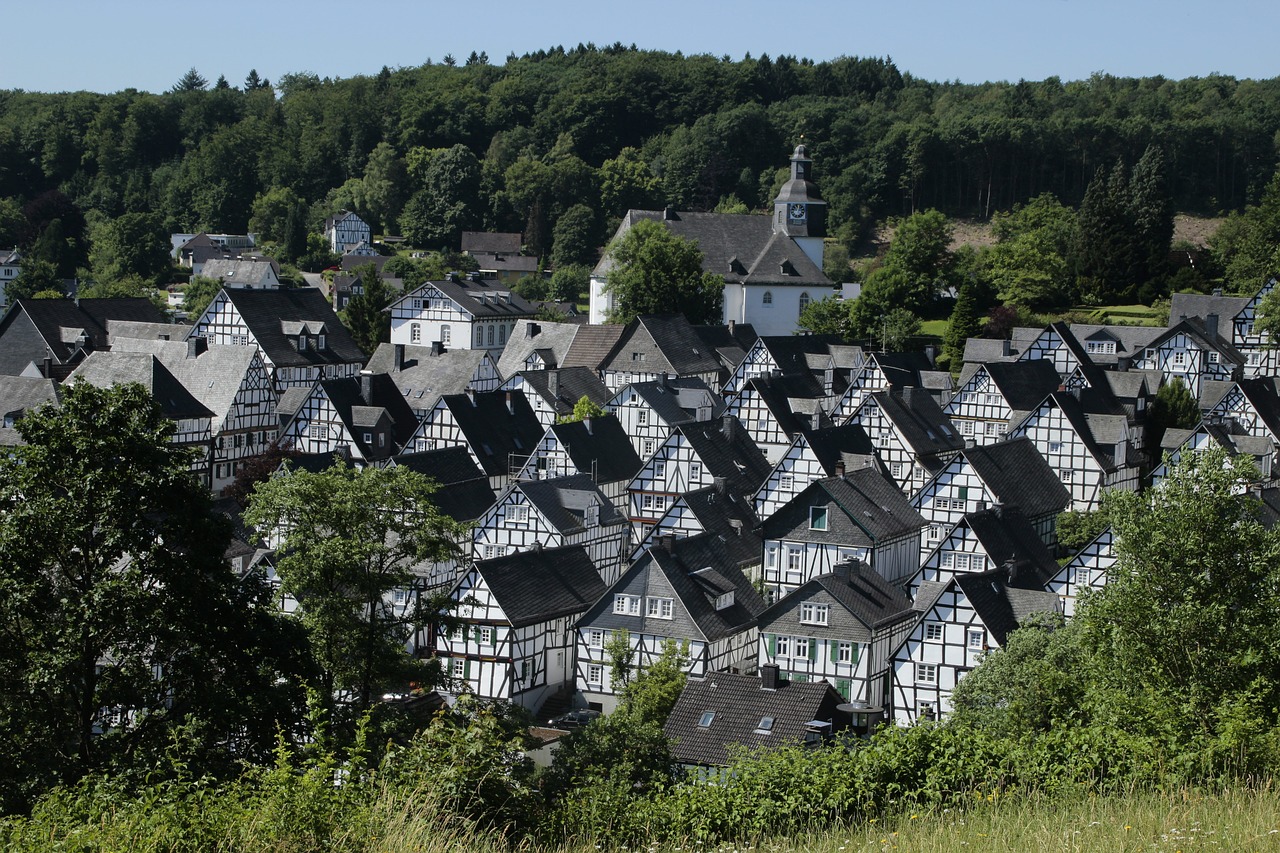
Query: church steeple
x,y
799,210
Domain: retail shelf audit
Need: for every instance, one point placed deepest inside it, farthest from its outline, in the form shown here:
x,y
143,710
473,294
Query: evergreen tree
x,y
965,323
364,318
253,82
190,82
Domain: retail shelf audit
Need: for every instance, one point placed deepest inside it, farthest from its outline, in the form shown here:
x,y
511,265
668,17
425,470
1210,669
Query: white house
x,y
459,314
346,230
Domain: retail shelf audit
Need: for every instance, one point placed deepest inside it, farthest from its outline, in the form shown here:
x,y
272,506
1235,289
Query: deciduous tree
x,y
657,272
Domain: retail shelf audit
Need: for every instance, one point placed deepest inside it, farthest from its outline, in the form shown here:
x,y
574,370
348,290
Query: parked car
x,y
573,719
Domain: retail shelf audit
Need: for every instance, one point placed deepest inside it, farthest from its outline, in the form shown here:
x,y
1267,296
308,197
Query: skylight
x,y
766,726
705,721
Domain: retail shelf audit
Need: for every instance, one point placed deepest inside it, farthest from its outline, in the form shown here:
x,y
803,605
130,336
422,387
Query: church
x,y
772,265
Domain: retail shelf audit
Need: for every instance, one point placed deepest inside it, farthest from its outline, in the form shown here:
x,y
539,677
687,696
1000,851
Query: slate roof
x,y
105,369
919,420
878,509
58,321
739,704
1262,392
676,400
267,314
987,351
599,445
482,300
538,585
1201,306
727,451
729,343
1018,476
351,262
741,247
423,377
1229,435
729,518
870,598
1003,604
1130,341
486,422
591,345
492,241
358,401
902,369
668,343
1024,384
563,502
464,492
249,271
571,384
1195,329
849,444
1012,543
213,376
796,402
528,336
19,395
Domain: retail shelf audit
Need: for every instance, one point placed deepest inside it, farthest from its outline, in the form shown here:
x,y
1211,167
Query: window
x,y
642,417
520,513
648,447
804,301
484,636
491,336
933,632
768,298
794,559
844,653
1067,475
926,673
966,427
595,639
525,670
660,608
935,531
765,726
315,431
814,614
320,342
1180,358
1055,447
704,722
976,640
368,438
787,482
991,428
595,674
895,470
817,518
695,472
400,596
799,647
302,343
502,335
446,334
417,303
627,605
637,356
1213,356
660,468
782,647
459,668
1081,576
479,336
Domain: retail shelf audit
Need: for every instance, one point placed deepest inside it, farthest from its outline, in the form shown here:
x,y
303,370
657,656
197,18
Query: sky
x,y
66,45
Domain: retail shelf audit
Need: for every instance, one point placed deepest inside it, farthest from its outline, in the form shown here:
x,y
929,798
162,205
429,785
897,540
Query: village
x,y
834,534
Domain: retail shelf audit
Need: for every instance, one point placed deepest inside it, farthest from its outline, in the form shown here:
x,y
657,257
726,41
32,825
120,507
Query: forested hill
x,y
612,128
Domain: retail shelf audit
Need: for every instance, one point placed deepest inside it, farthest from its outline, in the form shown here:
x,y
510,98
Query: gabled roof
x,y
1094,430
463,491
1202,306
105,369
1024,383
213,375
599,445
267,314
538,585
241,270
878,509
1018,476
1194,328
729,343
919,420
1263,393
737,705
796,402
492,241
1002,603
902,369
729,518
1012,543
528,336
571,385
668,344
849,444
19,395
59,322
479,299
497,425
422,376
359,409
592,345
563,501
867,596
727,451
676,400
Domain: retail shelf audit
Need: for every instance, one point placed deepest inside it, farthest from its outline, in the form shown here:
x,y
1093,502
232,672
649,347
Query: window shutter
x,y
813,649
773,645
842,686
835,650
466,670
854,657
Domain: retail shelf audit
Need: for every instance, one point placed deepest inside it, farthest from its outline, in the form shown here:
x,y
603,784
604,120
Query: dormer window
x,y
302,343
320,341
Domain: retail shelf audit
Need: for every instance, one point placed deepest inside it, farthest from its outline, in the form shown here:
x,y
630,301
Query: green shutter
x,y
466,670
813,649
835,650
842,686
773,645
963,493
853,658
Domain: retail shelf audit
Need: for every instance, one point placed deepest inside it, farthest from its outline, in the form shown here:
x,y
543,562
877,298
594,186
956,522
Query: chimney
x,y
666,379
840,470
437,348
668,542
366,386
46,365
587,423
736,524
537,545
731,328
1211,325
196,345
729,427
531,330
720,484
553,384
511,409
471,395
1006,347
399,357
1217,291
769,677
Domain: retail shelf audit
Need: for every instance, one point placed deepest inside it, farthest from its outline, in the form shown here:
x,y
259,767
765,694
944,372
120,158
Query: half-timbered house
x,y
345,230
551,513
49,337
459,314
961,620
1228,436
912,437
1192,353
840,628
596,447
365,418
498,428
814,454
299,338
822,358
656,344
717,714
1010,473
718,512
1216,310
555,391
684,591
537,345
1087,570
423,374
1089,451
650,410
232,382
883,371
993,538
860,516
1252,404
774,410
692,457
993,397
515,640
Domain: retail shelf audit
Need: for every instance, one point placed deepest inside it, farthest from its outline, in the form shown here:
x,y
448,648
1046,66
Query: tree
x,y
658,272
1173,408
364,318
574,237
621,655
827,316
1267,317
382,187
965,323
34,276
280,216
347,537
569,283
197,295
134,244
897,328
252,82
835,262
119,613
444,206
192,81
583,410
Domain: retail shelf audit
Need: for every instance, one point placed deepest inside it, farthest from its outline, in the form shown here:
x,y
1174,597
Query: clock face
x,y
797,212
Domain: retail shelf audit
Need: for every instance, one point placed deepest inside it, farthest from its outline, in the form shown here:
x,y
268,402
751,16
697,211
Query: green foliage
x,y
1266,319
134,244
965,323
1077,529
444,205
192,81
575,237
657,272
1174,407
569,283
1032,264
1246,244
199,292
835,262
34,276
280,218
347,537
621,656
827,316
582,410
364,316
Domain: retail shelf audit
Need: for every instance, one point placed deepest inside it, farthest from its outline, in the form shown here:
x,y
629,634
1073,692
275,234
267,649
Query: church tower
x,y
799,211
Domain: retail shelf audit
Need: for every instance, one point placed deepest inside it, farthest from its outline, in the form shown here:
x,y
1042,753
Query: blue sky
x,y
107,45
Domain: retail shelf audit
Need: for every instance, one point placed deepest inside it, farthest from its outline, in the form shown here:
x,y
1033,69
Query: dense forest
x,y
569,139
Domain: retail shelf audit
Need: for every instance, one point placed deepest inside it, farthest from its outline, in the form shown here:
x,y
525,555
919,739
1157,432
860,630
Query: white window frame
x,y
975,639
926,673
658,607
626,605
595,674
934,632
812,613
